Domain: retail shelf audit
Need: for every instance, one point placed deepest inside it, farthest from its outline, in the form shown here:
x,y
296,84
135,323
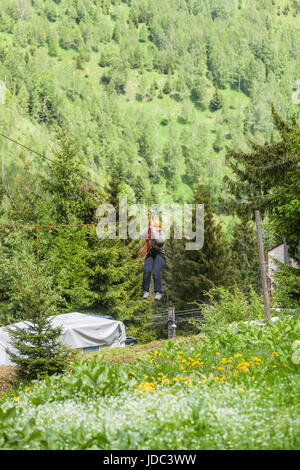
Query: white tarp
x,y
78,331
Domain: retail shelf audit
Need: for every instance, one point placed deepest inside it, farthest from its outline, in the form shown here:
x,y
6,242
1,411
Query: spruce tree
x,y
53,43
245,257
117,272
37,347
143,33
72,202
199,91
197,271
216,101
167,88
267,179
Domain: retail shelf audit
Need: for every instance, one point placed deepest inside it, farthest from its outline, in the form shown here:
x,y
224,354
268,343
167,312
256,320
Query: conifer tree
x,y
197,271
245,257
37,349
216,101
117,273
117,33
199,91
23,98
167,88
69,202
143,33
53,43
268,179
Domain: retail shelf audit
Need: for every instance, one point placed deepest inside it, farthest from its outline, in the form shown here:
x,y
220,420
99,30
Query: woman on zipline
x,y
155,257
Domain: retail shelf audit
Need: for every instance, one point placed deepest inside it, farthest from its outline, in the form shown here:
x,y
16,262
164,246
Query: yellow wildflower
x,y
255,358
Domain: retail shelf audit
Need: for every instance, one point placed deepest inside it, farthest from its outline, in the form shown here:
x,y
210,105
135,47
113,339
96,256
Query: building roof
x,y
276,246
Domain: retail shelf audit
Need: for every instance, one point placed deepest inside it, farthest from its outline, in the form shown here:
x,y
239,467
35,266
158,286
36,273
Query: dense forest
x,y
153,90
142,98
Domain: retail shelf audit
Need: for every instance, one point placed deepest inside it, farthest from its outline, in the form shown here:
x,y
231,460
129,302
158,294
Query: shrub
x,y
226,307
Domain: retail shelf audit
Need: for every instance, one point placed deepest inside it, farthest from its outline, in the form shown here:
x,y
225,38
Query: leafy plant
x,y
87,377
228,306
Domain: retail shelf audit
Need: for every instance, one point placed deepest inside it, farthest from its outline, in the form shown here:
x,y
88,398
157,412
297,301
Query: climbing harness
x,y
147,245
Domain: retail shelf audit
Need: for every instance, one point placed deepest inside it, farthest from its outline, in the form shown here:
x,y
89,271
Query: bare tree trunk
x,y
262,265
22,7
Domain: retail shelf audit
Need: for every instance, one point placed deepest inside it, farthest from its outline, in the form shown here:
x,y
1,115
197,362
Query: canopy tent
x,y
78,331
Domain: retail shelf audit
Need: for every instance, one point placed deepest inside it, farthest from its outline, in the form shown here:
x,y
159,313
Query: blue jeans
x,y
154,262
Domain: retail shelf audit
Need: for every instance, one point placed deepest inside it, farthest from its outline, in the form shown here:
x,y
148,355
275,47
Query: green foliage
x,y
216,101
96,406
195,272
87,377
174,52
245,256
228,306
267,178
18,438
287,286
49,56
34,297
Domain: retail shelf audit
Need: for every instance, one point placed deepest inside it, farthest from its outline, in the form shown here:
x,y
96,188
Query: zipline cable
x,y
102,187
45,157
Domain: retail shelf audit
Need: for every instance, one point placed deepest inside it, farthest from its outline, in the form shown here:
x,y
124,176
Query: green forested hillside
x,y
154,90
159,101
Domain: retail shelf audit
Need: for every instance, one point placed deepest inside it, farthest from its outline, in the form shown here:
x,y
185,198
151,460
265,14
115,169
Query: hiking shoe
x,y
157,296
145,295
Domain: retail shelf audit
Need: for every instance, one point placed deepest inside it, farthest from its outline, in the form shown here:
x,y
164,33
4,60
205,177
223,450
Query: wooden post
x,y
263,274
171,323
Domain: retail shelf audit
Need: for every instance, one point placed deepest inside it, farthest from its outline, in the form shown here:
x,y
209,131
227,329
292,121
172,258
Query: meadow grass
x,y
190,394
